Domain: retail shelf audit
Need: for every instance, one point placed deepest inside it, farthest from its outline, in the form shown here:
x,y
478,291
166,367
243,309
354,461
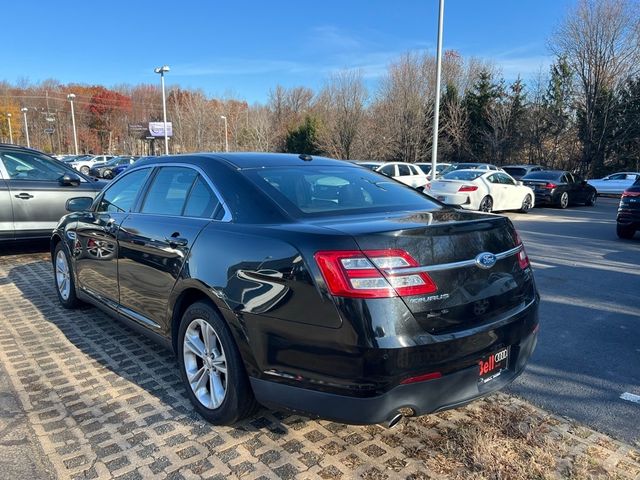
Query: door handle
x,y
175,240
23,196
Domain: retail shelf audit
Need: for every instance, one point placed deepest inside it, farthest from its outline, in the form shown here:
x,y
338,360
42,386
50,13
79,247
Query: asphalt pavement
x,y
587,363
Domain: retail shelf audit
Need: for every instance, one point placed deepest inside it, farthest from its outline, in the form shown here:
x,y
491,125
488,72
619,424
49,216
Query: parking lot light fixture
x,y
10,131
226,133
161,71
70,97
24,111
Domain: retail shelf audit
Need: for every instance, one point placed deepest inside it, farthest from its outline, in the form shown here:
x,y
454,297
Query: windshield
x,y
543,176
464,175
515,171
459,166
336,190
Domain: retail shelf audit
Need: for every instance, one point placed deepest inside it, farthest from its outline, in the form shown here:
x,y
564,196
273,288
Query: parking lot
x,y
84,397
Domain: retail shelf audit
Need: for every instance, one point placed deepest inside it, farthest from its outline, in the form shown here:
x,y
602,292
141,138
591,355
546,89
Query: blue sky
x,y
243,48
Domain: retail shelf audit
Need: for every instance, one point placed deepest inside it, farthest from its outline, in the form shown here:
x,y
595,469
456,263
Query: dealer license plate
x,y
492,365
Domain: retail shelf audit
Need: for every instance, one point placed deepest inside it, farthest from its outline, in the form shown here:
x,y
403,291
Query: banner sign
x,y
156,129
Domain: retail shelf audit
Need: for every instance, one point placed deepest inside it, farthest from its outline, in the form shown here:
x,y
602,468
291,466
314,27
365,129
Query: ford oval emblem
x,y
486,260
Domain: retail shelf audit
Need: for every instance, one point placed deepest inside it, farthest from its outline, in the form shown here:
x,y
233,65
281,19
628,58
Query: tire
x,y
84,169
63,278
625,232
563,201
108,174
486,204
225,395
591,201
526,204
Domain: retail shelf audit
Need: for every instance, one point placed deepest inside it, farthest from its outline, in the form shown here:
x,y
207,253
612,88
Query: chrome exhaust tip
x,y
394,420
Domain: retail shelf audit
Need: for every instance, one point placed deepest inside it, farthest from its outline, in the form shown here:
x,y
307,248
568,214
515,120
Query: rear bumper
x,y
452,198
544,198
629,217
450,391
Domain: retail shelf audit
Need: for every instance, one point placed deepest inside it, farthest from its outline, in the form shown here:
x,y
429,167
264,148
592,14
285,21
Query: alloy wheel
x,y
526,203
564,200
84,170
63,278
486,205
205,363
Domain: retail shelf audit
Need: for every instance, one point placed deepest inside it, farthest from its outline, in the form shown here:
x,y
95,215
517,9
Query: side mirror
x,y
78,204
519,183
70,180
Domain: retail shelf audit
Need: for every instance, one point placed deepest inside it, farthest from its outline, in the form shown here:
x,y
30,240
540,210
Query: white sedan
x,y
482,190
616,183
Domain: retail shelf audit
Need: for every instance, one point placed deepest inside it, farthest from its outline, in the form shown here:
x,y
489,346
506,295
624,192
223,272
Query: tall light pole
x,y
436,108
70,97
10,132
24,111
226,134
161,71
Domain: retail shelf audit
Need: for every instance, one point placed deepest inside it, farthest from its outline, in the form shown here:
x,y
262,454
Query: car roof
x,y
247,160
523,165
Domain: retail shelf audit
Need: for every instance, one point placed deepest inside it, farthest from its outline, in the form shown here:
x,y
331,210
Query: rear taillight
x,y
629,193
468,188
523,259
550,186
365,274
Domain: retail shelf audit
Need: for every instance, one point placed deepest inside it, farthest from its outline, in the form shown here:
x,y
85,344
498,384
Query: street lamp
x,y
161,71
26,125
70,97
436,108
10,132
226,134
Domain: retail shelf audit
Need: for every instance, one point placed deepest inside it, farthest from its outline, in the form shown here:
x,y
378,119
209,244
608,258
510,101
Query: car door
x,y
512,195
96,252
155,241
497,190
6,210
38,198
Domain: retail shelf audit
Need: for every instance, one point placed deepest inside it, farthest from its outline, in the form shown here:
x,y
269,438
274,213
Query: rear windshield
x,y
322,191
464,175
515,171
543,176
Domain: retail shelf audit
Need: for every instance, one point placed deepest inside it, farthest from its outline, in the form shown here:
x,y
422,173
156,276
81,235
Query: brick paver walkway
x,y
105,402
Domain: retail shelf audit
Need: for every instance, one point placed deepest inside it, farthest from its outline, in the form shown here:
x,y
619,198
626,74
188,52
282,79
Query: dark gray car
x,y
34,189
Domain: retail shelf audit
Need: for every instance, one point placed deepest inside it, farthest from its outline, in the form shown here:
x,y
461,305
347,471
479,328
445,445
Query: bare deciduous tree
x,y
600,40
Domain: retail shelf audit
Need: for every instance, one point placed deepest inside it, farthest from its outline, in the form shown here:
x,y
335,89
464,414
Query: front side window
x,y
168,191
505,179
31,166
122,193
388,170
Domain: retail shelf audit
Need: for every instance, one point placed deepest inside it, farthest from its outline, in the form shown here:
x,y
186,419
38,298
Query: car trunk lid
x,y
448,245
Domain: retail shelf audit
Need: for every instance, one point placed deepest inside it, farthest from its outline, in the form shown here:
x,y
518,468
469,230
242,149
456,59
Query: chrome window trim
x,y
448,266
227,211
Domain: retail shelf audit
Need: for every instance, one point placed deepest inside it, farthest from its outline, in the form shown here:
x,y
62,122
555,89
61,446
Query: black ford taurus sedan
x,y
304,283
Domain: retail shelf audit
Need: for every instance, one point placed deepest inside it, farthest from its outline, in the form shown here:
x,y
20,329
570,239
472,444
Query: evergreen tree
x,y
304,139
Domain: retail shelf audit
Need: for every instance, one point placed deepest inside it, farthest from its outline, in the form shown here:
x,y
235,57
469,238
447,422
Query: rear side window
x,y
336,190
202,202
122,193
168,191
403,170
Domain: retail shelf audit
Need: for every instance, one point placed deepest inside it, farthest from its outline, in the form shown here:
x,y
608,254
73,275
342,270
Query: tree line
x,y
583,114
